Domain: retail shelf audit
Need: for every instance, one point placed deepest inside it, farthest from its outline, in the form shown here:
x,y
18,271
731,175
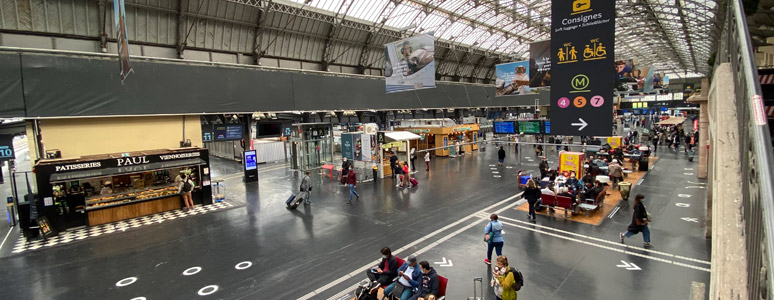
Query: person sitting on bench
x,y
594,192
386,271
565,192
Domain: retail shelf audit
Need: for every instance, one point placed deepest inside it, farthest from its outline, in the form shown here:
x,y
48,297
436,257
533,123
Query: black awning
x,y
63,177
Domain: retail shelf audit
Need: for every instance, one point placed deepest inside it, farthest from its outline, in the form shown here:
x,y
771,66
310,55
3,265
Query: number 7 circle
x,y
597,101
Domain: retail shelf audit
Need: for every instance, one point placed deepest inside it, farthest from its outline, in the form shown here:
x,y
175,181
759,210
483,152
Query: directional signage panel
x,y
582,71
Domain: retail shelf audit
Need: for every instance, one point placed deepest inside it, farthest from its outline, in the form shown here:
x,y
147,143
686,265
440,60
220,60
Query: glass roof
x,y
672,35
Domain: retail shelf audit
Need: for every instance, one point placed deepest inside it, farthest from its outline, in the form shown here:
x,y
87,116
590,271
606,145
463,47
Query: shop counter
x,y
137,208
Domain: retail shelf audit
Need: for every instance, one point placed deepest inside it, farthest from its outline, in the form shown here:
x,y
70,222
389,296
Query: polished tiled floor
x,y
261,250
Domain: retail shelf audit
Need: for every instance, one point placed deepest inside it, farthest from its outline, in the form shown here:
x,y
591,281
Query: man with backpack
x,y
184,189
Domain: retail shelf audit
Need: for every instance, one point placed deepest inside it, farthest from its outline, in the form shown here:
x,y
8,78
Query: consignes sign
x,y
583,73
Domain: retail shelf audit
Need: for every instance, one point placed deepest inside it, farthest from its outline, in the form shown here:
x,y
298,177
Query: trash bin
x,y
220,190
625,188
11,214
375,170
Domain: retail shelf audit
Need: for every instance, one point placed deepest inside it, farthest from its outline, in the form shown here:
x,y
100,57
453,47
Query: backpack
x,y
187,186
518,278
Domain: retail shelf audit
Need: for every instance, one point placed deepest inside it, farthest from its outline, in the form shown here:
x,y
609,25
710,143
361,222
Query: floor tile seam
x,y
622,251
408,246
608,242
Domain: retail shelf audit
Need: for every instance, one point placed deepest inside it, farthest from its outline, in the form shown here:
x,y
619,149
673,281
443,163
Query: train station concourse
x,y
386,149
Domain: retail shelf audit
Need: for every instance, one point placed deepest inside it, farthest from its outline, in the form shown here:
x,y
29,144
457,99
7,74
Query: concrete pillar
x,y
704,154
728,277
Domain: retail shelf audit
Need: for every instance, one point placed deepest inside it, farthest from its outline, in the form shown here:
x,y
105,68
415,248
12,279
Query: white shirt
x,y
408,272
427,156
547,192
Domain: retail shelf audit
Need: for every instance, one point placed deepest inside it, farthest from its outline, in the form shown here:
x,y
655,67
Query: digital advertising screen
x,y
507,127
250,163
529,127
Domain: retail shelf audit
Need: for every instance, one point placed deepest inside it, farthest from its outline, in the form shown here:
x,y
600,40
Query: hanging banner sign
x,y
583,73
409,64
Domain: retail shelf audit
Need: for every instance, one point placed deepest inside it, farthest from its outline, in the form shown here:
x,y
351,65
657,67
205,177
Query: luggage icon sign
x,y
581,6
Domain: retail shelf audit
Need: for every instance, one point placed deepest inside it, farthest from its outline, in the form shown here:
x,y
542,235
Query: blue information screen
x,y
504,127
250,163
548,127
6,147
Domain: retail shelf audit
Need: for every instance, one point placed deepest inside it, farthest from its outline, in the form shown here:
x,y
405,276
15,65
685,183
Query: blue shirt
x,y
497,231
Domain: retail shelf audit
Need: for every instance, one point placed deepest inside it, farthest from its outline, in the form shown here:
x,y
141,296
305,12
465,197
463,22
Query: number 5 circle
x,y
579,101
564,102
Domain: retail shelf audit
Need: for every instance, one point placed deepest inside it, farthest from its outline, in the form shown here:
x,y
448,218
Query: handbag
x,y
398,289
488,236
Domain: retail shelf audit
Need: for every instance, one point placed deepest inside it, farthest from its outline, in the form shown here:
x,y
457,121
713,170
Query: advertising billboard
x,y
512,79
227,132
540,64
410,64
122,40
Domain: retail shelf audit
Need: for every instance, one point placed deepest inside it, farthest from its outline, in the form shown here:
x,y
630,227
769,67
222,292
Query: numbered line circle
x,y
579,101
597,101
192,271
126,281
243,265
208,290
564,102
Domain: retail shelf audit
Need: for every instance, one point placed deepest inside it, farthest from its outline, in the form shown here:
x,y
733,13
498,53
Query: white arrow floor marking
x,y
444,263
628,266
694,220
682,205
683,195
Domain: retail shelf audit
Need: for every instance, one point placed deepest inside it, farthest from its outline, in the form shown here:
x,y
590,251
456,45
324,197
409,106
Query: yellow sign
x,y
571,161
594,50
581,6
568,54
614,141
579,83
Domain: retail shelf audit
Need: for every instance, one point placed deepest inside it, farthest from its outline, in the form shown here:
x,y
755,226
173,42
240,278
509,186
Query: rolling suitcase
x,y
480,295
414,181
294,201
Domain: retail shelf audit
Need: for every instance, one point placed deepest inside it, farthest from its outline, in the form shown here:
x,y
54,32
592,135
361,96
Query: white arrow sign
x,y
682,205
628,266
695,220
445,263
582,124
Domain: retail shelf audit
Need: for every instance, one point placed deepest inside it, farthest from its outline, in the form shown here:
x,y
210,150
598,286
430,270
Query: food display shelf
x,y
132,197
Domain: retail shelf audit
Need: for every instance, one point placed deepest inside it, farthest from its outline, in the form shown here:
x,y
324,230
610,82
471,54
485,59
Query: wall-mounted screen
x,y
507,127
529,127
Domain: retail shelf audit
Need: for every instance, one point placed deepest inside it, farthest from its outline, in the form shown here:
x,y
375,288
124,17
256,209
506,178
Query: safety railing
x,y
755,150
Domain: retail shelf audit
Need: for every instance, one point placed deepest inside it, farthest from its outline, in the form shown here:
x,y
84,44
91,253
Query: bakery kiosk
x,y
98,189
444,137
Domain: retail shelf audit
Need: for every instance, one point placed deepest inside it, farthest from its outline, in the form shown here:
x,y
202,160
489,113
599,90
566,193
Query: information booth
x,y
99,189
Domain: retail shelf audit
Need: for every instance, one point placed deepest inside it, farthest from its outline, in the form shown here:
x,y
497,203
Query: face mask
x,y
384,256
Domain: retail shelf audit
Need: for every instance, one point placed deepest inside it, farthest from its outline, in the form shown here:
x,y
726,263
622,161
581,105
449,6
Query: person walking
x,y
184,189
500,156
639,222
494,238
352,181
427,160
306,187
393,163
532,194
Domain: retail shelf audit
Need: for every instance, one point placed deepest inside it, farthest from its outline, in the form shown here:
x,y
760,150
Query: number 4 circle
x,y
564,102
